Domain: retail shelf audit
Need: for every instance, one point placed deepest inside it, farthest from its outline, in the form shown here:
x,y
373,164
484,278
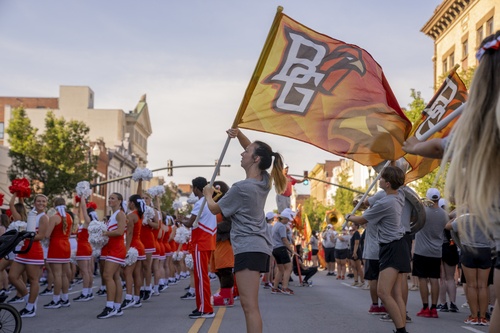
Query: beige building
x,y
120,136
457,28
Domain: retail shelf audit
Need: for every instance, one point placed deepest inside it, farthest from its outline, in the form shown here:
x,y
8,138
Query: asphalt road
x,y
329,306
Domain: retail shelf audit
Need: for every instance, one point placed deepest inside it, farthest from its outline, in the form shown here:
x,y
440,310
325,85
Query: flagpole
x,y
360,202
249,91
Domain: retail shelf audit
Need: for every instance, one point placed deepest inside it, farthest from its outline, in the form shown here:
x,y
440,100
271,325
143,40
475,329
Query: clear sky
x,y
194,60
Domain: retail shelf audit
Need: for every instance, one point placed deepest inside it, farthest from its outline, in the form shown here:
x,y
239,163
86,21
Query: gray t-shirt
x,y
371,248
329,238
429,239
471,234
407,208
244,205
279,232
342,244
313,241
386,212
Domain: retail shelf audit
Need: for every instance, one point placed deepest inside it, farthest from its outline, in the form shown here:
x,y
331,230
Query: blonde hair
x,y
473,178
266,154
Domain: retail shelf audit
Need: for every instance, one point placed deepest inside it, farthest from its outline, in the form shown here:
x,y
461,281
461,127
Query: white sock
x,y
128,297
109,304
116,305
30,306
64,297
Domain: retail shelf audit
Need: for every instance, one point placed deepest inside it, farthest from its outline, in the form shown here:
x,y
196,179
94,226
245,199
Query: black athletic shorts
x,y
341,254
396,255
281,255
254,261
476,257
371,269
426,267
329,254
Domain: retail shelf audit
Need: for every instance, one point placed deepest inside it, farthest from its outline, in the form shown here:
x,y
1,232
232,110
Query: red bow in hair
x,y
77,199
92,205
1,199
21,187
8,213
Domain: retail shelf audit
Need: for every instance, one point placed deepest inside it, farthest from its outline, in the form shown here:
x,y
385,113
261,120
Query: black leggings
x,y
226,277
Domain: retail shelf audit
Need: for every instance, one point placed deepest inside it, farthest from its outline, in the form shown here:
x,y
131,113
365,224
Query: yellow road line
x,y
197,325
214,328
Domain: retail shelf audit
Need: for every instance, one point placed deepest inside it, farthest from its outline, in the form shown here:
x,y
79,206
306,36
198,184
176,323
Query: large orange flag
x,y
319,90
447,99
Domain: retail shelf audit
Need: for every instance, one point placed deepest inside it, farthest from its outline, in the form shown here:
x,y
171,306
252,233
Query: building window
x,y
479,35
465,49
452,59
1,130
489,26
445,65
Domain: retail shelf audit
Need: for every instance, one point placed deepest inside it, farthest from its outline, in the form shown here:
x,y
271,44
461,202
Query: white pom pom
x,y
83,189
189,261
177,205
142,173
17,225
177,256
96,239
131,257
192,199
182,235
156,191
149,214
96,253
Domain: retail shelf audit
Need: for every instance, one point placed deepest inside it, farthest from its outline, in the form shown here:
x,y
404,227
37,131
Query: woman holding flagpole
x,y
244,205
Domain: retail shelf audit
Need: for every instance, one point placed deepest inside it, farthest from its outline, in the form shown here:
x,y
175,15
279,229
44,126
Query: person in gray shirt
x,y
244,205
394,258
428,252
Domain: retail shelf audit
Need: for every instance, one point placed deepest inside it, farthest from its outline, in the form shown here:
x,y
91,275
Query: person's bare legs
x,y
389,291
248,286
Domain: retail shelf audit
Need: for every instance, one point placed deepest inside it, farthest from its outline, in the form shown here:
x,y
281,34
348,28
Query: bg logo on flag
x,y
319,90
306,66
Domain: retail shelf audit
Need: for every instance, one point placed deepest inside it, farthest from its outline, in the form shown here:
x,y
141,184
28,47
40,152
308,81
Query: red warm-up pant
x,y
201,279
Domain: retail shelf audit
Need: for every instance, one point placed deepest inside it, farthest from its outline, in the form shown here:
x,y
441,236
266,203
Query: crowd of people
x,y
230,235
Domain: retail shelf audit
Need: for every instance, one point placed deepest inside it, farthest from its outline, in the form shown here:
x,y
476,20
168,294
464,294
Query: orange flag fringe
x,y
322,91
447,99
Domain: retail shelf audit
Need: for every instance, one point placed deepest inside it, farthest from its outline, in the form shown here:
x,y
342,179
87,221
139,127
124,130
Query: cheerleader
x,y
84,254
159,254
59,254
133,273
32,261
18,211
148,239
115,253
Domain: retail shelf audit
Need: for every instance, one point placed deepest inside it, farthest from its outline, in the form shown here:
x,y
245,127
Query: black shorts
x,y
371,269
341,254
314,252
408,237
497,263
476,257
426,267
329,254
450,254
254,261
396,255
281,255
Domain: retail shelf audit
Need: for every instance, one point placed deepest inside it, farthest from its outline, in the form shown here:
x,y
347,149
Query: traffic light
x,y
306,181
170,171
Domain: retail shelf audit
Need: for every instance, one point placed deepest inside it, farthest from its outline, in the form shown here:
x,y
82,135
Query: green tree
x,y
315,212
54,161
343,198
